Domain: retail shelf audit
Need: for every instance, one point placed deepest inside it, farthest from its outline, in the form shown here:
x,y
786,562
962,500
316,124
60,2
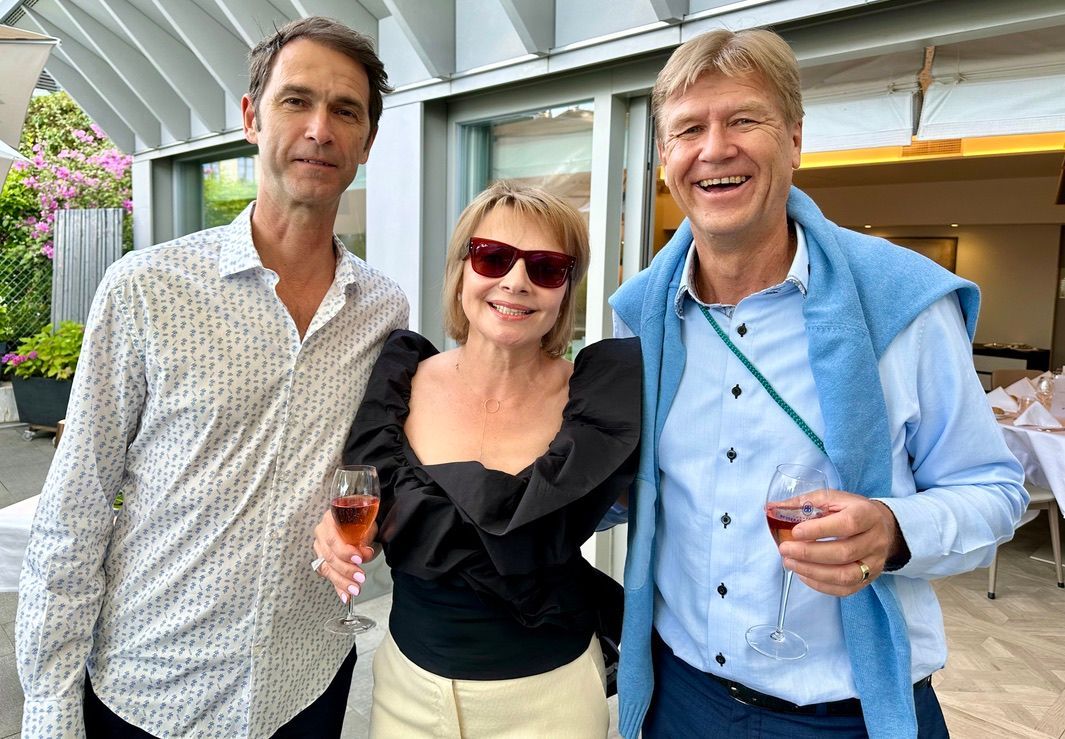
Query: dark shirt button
x,y
721,589
731,454
726,520
720,659
736,392
742,330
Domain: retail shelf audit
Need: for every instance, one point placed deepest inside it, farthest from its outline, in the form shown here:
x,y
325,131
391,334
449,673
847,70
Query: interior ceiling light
x,y
947,149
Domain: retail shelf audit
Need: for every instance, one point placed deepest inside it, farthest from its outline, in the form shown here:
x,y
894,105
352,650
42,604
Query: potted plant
x,y
43,367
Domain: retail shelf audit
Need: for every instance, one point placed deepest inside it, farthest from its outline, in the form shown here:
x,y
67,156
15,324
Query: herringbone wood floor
x,y
1005,673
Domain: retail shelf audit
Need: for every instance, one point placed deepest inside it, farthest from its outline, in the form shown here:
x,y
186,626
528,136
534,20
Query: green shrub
x,y
47,353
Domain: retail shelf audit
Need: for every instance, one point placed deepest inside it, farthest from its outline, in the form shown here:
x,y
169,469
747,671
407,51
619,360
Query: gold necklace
x,y
489,407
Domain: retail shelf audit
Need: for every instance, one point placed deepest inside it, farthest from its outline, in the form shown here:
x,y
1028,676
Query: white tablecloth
x,y
15,523
1043,455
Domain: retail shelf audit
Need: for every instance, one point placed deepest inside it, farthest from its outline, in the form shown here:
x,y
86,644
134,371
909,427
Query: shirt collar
x,y
798,273
238,253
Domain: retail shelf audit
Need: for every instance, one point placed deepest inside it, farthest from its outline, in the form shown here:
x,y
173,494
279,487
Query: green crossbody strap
x,y
765,383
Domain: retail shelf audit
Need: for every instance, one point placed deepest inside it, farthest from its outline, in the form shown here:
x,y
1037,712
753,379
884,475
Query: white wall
x,y
1016,269
1008,241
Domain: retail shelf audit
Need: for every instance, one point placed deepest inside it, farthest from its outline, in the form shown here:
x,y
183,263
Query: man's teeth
x,y
736,180
510,311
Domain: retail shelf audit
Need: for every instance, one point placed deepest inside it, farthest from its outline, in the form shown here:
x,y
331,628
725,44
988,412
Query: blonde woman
x,y
496,459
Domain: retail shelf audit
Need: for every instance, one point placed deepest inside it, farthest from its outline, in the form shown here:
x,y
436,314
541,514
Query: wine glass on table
x,y
354,496
790,482
1044,390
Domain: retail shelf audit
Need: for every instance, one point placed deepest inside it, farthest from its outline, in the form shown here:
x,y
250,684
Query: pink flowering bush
x,y
82,171
72,165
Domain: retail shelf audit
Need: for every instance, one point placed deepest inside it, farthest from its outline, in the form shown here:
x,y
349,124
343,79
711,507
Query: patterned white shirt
x,y
195,611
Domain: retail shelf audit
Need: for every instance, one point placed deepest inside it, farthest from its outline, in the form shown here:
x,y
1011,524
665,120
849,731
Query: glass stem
x,y
351,609
785,586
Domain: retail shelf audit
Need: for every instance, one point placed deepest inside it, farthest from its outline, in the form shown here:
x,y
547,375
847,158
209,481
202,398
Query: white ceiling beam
x,y
103,79
224,55
534,22
253,20
376,7
670,11
90,101
135,70
430,30
175,63
344,11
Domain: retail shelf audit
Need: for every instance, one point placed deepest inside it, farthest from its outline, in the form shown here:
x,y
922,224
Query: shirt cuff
x,y
617,514
53,719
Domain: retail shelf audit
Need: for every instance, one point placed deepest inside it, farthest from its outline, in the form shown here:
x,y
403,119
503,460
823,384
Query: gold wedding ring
x,y
865,572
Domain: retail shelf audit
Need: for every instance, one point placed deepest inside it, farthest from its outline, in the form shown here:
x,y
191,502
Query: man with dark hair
x,y
218,380
772,336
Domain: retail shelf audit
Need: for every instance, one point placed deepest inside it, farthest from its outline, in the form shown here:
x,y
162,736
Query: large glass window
x,y
549,148
227,185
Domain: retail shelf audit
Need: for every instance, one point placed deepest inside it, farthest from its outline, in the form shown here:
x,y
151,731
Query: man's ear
x,y
247,113
796,142
370,138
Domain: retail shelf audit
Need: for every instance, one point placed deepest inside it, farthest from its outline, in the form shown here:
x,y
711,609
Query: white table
x,y
15,521
1042,454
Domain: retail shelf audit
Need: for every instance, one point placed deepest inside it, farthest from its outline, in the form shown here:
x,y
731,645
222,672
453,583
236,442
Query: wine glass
x,y
789,481
354,496
1044,390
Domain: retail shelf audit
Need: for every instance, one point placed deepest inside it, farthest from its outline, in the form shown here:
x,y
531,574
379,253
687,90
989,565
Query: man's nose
x,y
716,144
320,126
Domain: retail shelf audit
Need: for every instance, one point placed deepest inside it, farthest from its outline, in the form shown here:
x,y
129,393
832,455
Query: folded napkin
x,y
1023,388
1037,415
999,398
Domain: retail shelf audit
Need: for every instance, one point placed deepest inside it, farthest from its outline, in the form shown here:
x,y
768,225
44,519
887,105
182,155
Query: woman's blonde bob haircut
x,y
755,51
557,218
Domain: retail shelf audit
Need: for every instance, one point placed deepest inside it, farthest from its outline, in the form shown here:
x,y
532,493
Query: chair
x,y
1041,499
1006,377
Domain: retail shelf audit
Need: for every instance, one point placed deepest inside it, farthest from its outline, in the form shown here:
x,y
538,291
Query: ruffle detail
x,y
514,539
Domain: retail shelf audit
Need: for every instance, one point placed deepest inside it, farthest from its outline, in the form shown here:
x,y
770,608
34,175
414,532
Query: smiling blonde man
x,y
771,336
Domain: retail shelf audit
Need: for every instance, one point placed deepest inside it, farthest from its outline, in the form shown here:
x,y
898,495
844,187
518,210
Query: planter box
x,y
41,401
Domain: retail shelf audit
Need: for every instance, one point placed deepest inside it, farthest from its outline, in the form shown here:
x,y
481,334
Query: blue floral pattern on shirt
x,y
196,611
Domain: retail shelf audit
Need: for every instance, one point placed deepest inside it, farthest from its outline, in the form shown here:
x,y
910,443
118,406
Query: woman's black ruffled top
x,y
479,554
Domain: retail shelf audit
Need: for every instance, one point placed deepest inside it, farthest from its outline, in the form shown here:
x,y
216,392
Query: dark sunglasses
x,y
494,259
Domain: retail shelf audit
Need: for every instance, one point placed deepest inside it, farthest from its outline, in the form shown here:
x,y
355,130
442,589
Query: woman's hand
x,y
341,561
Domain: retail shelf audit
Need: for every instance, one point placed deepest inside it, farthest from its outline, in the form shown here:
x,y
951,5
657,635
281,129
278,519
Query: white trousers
x,y
409,702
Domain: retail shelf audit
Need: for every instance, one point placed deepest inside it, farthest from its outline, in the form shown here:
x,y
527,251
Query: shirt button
x,y
742,330
721,590
731,454
726,520
736,392
720,659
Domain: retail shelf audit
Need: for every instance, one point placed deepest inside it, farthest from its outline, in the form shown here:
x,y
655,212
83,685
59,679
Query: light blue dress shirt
x,y
717,569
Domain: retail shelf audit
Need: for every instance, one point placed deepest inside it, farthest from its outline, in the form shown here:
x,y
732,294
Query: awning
x,y
861,103
1013,84
22,56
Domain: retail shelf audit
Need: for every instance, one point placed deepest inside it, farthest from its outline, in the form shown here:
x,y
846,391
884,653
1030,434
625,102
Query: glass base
x,y
349,625
782,644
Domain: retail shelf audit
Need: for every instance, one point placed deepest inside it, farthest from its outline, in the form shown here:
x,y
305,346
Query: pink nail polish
x,y
353,589
344,598
356,559
359,577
